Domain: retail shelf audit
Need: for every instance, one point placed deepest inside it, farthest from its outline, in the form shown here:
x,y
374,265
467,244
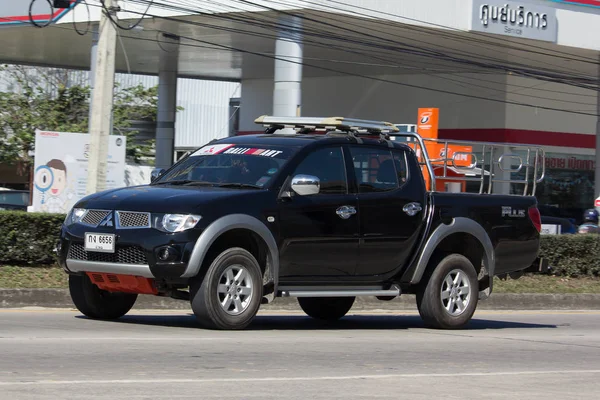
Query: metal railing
x,y
522,165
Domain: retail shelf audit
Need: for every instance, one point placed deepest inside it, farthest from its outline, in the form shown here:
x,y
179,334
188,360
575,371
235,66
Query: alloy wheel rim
x,y
456,292
234,290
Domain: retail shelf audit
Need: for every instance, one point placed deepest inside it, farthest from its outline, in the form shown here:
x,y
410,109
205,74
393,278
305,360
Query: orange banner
x,y
427,126
459,156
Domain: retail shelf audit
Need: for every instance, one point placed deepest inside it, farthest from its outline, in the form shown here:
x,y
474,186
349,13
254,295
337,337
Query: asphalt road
x,y
161,355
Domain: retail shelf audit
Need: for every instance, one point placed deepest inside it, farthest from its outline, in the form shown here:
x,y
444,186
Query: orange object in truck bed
x,y
123,283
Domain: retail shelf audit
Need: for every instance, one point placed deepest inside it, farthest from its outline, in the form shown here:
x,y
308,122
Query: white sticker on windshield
x,y
215,149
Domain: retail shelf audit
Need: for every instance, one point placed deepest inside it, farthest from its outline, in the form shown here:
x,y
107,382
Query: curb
x,y
59,298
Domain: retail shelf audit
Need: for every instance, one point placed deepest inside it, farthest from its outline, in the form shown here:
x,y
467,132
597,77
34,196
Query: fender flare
x,y
458,225
223,225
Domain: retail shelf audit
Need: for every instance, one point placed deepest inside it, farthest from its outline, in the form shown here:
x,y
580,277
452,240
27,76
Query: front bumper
x,y
136,252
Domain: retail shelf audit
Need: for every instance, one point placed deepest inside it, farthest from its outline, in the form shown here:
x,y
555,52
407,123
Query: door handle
x,y
412,209
345,212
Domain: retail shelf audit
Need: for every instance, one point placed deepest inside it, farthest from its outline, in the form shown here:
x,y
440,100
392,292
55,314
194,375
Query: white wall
x,y
372,99
518,117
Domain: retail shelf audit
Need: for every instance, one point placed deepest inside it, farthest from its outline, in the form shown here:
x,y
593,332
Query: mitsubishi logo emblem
x,y
107,221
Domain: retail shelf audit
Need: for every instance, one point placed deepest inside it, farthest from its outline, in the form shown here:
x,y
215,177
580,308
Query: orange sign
x,y
458,156
427,125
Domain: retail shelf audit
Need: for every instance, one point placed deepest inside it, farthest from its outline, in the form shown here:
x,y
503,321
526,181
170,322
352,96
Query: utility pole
x,y
102,102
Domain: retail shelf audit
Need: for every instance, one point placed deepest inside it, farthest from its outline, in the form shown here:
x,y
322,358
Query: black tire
x,y
429,296
98,304
204,294
326,308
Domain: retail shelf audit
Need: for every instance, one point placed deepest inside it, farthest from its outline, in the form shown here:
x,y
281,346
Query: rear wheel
x,y
448,298
326,308
98,304
230,294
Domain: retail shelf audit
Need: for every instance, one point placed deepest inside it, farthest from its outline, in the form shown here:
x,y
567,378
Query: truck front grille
x,y
122,255
94,217
130,219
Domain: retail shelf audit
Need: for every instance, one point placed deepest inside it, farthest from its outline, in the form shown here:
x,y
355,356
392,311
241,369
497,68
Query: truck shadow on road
x,y
300,322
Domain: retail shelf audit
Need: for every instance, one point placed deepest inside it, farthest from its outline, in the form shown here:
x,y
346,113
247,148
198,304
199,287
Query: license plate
x,y
100,242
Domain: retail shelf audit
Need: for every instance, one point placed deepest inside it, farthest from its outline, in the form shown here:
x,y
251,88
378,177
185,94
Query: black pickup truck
x,y
324,217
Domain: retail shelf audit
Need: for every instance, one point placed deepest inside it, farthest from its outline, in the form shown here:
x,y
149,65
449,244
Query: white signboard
x,y
517,19
60,170
548,229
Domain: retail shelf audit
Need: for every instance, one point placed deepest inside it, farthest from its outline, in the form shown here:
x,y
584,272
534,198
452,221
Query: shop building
x,y
515,72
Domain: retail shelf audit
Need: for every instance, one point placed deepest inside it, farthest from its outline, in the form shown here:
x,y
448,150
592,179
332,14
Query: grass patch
x,y
55,277
547,284
32,277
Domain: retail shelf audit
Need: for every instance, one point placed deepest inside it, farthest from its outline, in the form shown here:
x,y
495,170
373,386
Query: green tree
x,y
44,99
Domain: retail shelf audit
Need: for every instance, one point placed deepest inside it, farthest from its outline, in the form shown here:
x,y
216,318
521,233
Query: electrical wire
x,y
558,79
436,53
422,30
33,21
480,34
458,82
380,22
215,45
551,76
124,51
231,48
89,20
116,23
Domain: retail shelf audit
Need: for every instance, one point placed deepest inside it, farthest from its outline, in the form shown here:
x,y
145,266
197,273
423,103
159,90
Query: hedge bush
x,y
572,255
28,238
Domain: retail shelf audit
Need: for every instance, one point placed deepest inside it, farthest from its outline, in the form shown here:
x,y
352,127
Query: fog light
x,y
167,254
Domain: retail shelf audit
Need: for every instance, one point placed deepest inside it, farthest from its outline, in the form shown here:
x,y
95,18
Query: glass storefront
x,y
567,189
568,185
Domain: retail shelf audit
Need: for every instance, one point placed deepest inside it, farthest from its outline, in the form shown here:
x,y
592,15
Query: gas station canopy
x,y
234,40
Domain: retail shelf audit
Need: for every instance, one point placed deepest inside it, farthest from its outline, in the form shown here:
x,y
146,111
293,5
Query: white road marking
x,y
101,338
297,378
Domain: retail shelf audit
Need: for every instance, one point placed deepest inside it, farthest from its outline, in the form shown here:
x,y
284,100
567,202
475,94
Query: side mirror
x,y
305,185
156,173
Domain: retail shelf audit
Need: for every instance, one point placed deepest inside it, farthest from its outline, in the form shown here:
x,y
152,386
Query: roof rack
x,y
326,124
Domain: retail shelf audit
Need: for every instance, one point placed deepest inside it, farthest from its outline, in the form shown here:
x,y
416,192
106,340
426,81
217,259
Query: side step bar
x,y
335,292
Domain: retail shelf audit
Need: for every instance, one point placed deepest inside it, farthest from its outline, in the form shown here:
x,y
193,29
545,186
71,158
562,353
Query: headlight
x,y
75,215
179,222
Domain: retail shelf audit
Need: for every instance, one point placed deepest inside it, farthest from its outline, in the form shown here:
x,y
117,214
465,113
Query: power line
x,y
460,83
464,77
552,77
519,48
215,45
231,48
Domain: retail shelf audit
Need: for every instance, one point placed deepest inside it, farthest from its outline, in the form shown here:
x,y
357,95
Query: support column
x,y
167,101
287,94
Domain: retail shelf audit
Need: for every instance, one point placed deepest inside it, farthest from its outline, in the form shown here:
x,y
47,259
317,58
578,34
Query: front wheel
x,y
326,308
230,294
448,298
96,303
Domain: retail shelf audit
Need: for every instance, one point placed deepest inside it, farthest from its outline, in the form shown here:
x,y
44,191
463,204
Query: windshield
x,y
14,198
229,165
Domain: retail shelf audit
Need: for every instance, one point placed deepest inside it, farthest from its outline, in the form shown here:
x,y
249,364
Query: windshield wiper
x,y
239,185
188,182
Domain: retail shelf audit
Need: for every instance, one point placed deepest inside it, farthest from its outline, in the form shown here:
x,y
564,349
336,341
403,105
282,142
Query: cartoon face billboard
x,y
60,170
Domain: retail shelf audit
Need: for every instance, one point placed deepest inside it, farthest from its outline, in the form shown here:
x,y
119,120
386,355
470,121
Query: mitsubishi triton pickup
x,y
336,209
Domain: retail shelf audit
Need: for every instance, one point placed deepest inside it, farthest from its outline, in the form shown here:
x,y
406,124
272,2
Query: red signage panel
x,y
588,3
